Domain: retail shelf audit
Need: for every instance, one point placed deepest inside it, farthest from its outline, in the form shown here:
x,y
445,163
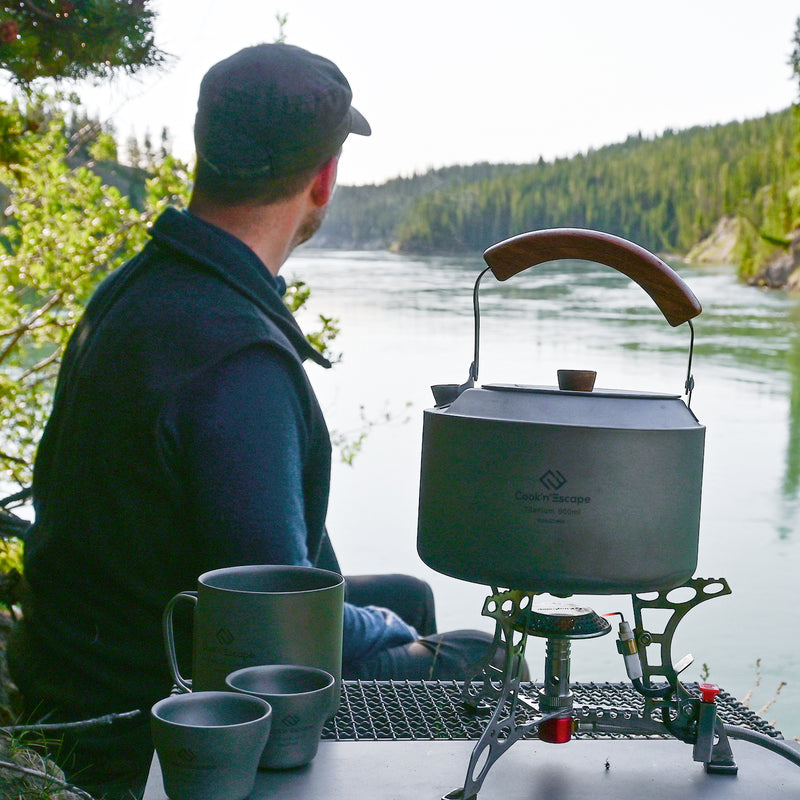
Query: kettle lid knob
x,y
576,380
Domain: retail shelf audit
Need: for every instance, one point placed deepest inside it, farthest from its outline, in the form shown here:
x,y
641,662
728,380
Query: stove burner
x,y
562,621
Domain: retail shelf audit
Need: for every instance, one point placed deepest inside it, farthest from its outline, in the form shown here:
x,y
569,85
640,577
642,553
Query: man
x,y
185,435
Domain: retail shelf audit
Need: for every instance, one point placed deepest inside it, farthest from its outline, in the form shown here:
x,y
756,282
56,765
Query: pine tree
x,y
62,39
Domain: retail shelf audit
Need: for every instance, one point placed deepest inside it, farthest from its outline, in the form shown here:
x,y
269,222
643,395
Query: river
x,y
406,323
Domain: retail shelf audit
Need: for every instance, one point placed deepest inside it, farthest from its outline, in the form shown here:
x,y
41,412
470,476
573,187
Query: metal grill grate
x,y
409,710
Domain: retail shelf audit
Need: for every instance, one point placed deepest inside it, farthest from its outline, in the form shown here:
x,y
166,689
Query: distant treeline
x,y
665,193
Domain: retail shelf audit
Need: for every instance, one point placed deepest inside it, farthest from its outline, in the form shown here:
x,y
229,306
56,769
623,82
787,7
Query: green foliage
x,y
350,443
63,39
104,148
281,19
169,183
770,215
17,128
297,295
64,229
754,248
794,58
10,555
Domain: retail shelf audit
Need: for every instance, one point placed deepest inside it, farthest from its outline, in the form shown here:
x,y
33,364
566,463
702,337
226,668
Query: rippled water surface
x,y
407,323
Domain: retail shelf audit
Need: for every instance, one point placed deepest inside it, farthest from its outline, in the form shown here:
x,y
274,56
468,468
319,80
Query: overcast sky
x,y
460,81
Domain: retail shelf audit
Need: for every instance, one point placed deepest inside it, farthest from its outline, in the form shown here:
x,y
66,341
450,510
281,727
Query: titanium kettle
x,y
565,490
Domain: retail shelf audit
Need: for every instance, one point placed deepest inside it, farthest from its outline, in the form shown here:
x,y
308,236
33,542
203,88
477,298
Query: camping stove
x,y
572,490
669,708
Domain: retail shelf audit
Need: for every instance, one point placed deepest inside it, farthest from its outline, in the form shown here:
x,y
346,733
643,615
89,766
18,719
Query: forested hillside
x,y
664,193
368,216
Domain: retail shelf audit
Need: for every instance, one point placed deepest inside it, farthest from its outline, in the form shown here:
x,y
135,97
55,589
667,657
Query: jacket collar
x,y
233,262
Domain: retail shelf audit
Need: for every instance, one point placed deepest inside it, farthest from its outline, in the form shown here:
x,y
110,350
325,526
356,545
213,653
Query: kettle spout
x,y
446,393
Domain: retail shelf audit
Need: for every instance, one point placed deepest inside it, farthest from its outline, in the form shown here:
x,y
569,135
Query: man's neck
x,y
270,231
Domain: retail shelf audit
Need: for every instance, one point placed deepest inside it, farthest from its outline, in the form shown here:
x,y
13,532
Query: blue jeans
x,y
454,655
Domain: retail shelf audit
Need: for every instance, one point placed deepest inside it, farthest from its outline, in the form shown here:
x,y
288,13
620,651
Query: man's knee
x,y
462,654
409,597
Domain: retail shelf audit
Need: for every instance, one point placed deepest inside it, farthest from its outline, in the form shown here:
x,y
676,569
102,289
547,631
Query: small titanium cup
x,y
209,743
300,698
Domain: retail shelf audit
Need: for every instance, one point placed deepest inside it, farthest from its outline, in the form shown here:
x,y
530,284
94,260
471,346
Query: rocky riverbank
x,y
780,271
719,247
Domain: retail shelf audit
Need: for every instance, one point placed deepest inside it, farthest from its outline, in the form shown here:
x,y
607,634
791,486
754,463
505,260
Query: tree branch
x,y
41,364
82,136
51,727
40,12
27,323
12,459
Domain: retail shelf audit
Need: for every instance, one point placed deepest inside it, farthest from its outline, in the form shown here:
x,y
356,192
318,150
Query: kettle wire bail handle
x,y
689,385
666,288
473,368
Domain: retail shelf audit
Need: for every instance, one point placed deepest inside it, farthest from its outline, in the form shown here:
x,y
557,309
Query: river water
x,y
407,323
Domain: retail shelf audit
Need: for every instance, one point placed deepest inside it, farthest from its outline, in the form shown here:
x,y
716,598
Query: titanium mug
x,y
260,614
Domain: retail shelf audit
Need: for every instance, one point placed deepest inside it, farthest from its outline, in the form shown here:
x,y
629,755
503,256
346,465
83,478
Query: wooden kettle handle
x,y
673,297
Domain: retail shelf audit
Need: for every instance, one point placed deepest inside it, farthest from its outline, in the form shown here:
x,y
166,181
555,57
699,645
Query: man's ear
x,y
324,181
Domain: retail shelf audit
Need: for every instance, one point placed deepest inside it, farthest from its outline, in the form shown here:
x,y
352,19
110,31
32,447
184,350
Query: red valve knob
x,y
708,692
557,730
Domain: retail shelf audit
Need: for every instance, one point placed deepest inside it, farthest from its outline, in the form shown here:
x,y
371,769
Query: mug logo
x,y
290,720
552,480
224,636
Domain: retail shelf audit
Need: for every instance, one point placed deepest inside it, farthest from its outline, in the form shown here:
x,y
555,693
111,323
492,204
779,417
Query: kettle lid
x,y
601,408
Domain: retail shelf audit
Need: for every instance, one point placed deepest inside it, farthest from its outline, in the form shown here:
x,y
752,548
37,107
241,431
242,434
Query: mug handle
x,y
185,684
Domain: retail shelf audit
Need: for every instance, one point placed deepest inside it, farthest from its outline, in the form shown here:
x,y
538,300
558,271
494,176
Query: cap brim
x,y
358,123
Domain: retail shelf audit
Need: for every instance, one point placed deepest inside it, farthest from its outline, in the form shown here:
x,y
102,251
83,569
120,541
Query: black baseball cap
x,y
273,110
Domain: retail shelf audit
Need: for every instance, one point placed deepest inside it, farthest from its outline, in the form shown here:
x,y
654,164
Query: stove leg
x,y
722,761
711,744
500,733
481,691
502,730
